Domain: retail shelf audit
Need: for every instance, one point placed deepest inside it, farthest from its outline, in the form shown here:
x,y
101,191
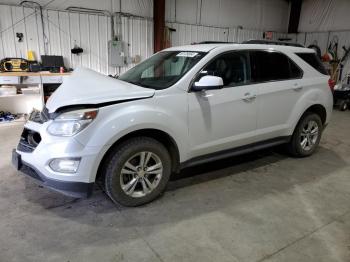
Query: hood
x,y
87,87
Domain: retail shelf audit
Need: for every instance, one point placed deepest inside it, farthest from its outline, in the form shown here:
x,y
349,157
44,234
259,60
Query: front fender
x,y
114,122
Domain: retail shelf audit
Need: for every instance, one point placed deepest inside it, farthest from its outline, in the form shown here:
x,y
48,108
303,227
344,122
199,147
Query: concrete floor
x,y
259,207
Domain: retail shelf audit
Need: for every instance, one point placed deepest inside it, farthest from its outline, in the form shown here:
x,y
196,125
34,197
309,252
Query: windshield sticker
x,y
187,54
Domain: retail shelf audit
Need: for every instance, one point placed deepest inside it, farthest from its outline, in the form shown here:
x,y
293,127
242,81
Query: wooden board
x,y
42,73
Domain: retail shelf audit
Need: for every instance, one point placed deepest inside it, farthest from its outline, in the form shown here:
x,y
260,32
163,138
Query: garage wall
x,y
135,7
321,15
250,14
194,21
322,39
225,20
65,29
187,34
321,21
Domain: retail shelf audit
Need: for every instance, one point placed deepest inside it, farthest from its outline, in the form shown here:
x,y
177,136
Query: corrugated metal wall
x,y
321,15
62,30
254,14
139,34
187,34
136,7
322,39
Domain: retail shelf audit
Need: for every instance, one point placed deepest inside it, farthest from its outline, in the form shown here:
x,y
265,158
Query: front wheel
x,y
137,171
306,136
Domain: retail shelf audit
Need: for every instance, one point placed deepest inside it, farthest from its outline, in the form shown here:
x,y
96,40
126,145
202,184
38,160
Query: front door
x,y
224,118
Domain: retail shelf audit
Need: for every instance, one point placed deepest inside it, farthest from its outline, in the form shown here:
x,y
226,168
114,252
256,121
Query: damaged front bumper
x,y
72,189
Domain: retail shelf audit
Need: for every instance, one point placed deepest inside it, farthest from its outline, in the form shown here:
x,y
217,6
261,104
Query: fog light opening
x,y
65,165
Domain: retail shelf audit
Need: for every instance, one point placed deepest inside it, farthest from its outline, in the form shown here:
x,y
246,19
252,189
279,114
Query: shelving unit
x,y
24,103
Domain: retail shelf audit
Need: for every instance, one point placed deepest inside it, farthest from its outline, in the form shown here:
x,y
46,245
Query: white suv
x,y
181,107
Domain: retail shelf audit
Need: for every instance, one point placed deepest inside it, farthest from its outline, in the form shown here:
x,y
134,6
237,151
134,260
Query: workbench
x,y
24,103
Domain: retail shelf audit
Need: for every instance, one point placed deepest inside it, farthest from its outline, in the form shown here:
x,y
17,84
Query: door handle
x,y
248,97
297,87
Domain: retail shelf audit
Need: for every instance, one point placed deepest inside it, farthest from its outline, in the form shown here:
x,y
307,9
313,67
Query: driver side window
x,y
232,67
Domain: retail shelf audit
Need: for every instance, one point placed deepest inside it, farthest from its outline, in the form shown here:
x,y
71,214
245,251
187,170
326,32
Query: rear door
x,y
224,118
278,80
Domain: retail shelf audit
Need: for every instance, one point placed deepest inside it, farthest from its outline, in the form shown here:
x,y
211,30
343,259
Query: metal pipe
x,y
94,11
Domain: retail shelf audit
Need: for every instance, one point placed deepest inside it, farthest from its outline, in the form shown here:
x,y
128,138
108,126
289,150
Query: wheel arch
x,y
319,110
167,140
294,146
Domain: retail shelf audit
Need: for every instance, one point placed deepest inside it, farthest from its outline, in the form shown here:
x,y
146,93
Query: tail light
x,y
331,84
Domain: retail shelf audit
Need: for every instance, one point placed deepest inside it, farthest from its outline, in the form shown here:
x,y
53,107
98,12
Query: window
x,y
271,66
232,67
295,71
163,69
314,61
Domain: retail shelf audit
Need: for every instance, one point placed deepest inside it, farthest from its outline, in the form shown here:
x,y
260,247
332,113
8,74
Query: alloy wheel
x,y
141,174
309,135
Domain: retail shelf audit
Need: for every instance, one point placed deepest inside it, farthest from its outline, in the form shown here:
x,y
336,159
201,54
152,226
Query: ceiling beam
x,y
158,24
294,16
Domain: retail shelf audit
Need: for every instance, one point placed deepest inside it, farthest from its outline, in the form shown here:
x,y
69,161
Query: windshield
x,y
162,70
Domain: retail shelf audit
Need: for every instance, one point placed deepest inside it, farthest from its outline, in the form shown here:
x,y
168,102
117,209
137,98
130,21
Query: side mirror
x,y
208,83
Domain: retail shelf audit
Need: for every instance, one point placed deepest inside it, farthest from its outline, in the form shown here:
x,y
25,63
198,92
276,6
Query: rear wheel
x,y
137,171
343,106
306,136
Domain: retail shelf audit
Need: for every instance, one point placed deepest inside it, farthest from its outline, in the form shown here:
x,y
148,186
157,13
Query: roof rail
x,y
270,42
213,42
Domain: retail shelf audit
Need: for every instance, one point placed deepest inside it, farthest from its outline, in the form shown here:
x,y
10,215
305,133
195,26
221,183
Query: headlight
x,y
71,123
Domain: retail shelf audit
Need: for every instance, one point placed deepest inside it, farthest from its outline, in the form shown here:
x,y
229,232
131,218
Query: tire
x,y
126,179
297,146
343,106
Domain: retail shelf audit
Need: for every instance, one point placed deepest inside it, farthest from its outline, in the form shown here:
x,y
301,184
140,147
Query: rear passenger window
x,y
314,61
272,66
295,71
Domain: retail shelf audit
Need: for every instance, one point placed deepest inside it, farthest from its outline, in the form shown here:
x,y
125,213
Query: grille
x,y
29,141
